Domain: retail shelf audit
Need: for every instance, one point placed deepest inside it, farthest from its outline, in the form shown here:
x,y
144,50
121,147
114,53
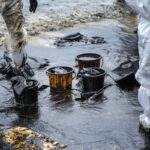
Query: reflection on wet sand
x,y
112,121
62,101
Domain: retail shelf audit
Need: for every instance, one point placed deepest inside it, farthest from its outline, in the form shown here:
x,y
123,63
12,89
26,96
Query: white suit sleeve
x,y
133,4
140,6
144,8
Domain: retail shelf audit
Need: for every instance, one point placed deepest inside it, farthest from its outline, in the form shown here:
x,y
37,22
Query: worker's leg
x,y
0,6
143,76
15,43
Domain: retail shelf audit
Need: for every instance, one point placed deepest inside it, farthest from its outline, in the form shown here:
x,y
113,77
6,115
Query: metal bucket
x,y
60,81
88,60
92,81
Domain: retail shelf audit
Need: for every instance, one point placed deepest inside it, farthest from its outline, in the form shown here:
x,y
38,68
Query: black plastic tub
x,y
92,81
28,94
125,72
88,60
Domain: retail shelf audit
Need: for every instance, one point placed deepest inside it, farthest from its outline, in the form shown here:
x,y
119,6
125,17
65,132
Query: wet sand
x,y
111,122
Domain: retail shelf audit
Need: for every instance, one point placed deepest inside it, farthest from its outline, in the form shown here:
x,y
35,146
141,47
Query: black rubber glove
x,y
33,5
25,71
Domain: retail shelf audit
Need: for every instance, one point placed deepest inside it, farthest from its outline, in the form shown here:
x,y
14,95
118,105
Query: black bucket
x,y
60,81
92,79
88,60
25,91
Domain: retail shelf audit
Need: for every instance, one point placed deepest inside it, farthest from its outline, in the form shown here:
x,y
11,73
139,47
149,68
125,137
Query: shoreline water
x,y
50,17
53,20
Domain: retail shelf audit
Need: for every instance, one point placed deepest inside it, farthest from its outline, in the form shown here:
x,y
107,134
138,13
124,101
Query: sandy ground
x,y
111,122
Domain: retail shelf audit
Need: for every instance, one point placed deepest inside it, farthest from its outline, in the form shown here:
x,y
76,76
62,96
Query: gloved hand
x,y
25,71
33,5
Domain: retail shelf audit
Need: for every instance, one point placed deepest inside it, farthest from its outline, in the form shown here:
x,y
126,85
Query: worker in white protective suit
x,y
12,13
142,7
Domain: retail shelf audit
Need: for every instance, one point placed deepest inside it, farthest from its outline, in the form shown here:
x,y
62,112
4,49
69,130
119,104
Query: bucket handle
x,y
74,75
76,62
47,73
101,62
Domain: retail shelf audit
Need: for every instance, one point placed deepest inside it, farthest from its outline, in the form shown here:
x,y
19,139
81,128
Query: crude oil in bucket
x,y
60,78
89,60
92,79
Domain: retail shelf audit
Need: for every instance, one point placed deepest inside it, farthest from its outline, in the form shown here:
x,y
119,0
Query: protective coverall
x,y
12,12
142,7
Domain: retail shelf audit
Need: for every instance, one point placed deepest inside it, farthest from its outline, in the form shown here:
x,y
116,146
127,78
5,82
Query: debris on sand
x,y
70,39
25,139
97,40
79,38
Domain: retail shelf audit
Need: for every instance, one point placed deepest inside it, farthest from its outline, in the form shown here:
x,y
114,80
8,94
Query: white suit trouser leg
x,y
12,12
143,77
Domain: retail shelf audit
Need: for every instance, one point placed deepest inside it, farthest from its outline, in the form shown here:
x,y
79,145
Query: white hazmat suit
x,y
11,11
142,7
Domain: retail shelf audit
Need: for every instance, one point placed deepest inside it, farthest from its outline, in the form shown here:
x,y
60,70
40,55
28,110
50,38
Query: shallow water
x,y
55,15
